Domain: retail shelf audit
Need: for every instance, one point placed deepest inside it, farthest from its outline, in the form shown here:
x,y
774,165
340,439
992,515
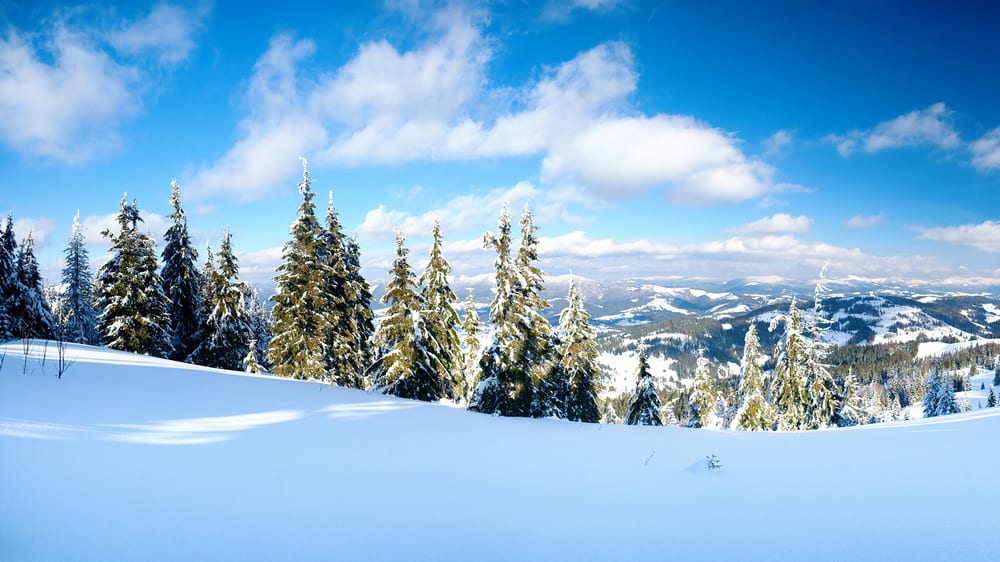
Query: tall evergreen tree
x,y
360,311
339,295
301,314
701,402
440,315
578,359
491,394
78,319
789,390
754,413
940,397
132,306
537,356
471,348
182,282
406,365
31,313
8,279
991,402
260,325
644,408
225,334
823,396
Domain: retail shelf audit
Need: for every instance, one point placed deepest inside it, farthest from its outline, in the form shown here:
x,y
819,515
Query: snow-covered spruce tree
x,y
339,293
440,315
789,390
8,279
225,334
537,355
182,282
360,312
578,359
406,364
260,325
851,407
644,408
472,350
131,304
250,362
78,319
492,391
824,398
931,394
31,313
301,313
754,413
701,402
991,402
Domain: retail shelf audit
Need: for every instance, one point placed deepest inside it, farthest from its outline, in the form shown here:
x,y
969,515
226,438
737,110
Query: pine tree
x,y
440,315
78,319
182,282
224,336
250,362
939,399
754,413
471,348
851,411
701,403
132,306
339,293
991,402
32,316
578,359
360,311
931,395
406,365
644,408
789,390
536,357
491,394
821,390
260,325
8,279
301,313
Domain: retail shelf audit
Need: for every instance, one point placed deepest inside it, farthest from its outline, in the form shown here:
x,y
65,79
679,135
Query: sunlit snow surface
x,y
132,458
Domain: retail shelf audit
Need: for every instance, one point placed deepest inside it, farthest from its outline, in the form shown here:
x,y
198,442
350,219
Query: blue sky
x,y
705,139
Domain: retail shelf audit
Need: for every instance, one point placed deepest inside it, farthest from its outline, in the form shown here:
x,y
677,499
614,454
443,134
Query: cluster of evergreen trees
x,y
24,310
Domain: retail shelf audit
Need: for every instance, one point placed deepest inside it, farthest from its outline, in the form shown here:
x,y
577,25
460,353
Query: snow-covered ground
x,y
132,458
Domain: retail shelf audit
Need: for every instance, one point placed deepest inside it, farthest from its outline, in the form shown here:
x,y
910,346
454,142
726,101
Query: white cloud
x,y
986,151
166,33
386,106
776,143
63,95
984,236
930,126
153,224
865,221
41,230
775,224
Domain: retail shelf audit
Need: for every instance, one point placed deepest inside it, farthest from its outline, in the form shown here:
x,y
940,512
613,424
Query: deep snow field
x,y
133,458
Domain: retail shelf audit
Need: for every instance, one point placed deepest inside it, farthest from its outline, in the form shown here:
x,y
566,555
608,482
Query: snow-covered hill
x,y
132,458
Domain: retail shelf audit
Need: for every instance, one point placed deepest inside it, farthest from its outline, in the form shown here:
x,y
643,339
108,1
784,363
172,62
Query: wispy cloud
x,y
865,221
41,230
64,93
776,224
435,103
986,151
984,236
778,142
932,126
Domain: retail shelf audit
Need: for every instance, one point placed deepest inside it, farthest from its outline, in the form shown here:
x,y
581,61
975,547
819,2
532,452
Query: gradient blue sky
x,y
710,139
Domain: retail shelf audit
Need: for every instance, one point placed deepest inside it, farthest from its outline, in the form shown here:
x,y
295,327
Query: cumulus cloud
x,y
64,93
41,230
776,224
865,221
153,224
986,151
435,102
984,236
931,126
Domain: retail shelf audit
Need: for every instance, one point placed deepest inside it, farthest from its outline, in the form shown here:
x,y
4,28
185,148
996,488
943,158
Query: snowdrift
x,y
128,457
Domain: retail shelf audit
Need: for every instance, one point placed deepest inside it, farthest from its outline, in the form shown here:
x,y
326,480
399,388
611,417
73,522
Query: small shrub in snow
x,y
713,462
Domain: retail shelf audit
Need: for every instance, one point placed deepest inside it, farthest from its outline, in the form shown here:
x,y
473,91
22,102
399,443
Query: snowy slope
x,y
129,458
